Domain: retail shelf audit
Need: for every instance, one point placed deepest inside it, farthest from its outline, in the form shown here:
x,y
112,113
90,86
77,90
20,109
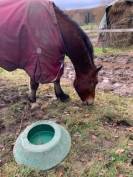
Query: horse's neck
x,y
75,46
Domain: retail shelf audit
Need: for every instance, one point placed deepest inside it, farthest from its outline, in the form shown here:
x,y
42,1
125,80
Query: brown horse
x,y
80,51
28,54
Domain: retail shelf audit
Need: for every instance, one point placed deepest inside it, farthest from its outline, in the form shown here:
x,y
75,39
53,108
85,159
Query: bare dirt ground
x,y
116,75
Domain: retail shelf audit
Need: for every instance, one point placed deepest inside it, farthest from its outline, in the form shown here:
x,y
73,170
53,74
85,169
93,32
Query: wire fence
x,y
115,38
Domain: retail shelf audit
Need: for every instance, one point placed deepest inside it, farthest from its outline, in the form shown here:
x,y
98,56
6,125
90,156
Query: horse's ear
x,y
99,68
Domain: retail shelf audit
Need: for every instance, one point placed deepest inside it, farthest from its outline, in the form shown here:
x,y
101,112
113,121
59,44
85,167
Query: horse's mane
x,y
83,35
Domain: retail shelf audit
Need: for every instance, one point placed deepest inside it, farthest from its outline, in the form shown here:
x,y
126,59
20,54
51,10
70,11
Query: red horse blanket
x,y
30,39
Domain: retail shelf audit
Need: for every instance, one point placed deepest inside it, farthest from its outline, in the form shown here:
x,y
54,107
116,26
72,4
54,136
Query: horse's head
x,y
85,85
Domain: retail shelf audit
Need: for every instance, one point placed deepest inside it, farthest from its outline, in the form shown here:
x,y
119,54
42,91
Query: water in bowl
x,y
41,134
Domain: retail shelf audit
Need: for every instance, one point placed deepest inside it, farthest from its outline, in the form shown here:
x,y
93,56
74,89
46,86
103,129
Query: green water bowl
x,y
42,145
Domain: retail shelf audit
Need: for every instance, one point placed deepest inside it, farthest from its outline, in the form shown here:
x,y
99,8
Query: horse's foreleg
x,y
33,88
59,92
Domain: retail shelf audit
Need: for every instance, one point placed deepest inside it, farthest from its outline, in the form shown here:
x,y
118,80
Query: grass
x,y
112,51
100,146
90,26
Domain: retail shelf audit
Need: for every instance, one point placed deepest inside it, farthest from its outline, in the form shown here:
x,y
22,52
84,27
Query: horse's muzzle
x,y
89,101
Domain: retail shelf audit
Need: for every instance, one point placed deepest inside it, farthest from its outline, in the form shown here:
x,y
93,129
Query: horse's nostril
x,y
88,102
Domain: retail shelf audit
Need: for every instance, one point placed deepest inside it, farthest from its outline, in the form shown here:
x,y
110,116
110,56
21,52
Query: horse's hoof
x,y
31,99
64,97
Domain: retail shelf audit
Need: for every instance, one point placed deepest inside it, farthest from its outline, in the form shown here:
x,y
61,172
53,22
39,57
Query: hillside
x,y
84,16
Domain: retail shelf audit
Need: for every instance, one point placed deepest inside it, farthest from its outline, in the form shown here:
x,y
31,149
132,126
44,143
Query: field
x,y
102,135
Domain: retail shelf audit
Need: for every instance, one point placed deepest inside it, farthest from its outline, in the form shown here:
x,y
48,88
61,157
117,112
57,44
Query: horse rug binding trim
x,y
30,39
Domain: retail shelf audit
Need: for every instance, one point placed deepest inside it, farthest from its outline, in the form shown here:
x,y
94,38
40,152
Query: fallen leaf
x,y
60,174
120,175
93,138
86,115
34,106
119,151
130,129
130,145
1,146
100,158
